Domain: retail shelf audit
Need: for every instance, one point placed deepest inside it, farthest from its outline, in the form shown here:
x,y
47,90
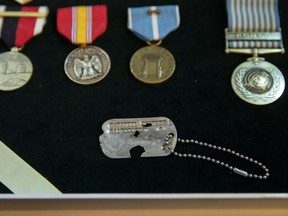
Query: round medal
x,y
87,65
152,64
15,70
258,83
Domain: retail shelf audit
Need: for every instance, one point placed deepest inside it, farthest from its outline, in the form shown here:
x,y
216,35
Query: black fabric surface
x,y
54,124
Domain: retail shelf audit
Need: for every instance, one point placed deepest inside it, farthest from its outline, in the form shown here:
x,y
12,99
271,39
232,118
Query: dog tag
x,y
158,137
122,135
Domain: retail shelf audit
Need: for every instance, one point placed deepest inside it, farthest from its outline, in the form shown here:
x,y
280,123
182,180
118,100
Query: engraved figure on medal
x,y
87,68
258,80
15,70
258,83
152,64
87,65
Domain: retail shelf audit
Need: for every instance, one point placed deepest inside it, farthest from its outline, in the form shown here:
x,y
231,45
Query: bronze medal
x,y
152,64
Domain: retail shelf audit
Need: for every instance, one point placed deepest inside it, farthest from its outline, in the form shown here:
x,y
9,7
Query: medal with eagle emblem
x,y
86,64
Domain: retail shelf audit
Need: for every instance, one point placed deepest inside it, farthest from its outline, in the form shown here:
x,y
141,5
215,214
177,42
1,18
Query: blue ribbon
x,y
253,16
153,23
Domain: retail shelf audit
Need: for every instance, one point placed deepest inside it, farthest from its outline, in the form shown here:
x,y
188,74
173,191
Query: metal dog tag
x,y
122,135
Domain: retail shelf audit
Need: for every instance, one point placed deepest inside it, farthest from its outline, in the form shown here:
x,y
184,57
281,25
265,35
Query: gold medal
x,y
152,64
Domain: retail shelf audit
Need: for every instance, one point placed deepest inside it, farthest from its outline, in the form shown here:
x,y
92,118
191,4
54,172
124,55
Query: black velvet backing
x,y
54,124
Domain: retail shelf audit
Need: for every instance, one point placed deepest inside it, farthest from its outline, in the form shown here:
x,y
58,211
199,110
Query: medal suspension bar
x,y
253,36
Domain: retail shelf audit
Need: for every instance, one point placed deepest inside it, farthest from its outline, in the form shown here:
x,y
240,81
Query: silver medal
x,y
87,65
15,70
258,82
122,135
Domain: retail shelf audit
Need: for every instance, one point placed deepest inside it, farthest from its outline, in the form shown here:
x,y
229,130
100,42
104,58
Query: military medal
x,y
254,28
158,138
17,26
153,64
23,1
82,25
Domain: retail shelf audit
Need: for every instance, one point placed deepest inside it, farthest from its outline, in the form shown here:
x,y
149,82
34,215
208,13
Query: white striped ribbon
x,y
74,25
253,16
153,23
2,8
40,22
89,24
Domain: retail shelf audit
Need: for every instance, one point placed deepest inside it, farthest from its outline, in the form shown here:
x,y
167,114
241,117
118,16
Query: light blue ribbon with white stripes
x,y
253,16
153,26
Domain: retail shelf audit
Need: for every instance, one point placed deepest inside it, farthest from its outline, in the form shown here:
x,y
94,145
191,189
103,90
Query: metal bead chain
x,y
221,163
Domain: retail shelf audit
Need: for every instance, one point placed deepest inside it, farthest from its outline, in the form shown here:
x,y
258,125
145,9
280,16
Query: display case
x,y
54,124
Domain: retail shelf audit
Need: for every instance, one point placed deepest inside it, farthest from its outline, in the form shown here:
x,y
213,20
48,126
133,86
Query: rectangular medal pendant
x,y
122,135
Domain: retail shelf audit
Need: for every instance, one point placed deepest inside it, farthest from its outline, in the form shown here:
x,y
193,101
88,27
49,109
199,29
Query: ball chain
x,y
221,163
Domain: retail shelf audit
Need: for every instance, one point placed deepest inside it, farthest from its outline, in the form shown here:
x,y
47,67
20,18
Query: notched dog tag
x,y
122,135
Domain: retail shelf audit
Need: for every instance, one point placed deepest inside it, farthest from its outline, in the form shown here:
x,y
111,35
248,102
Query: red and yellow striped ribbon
x,y
82,24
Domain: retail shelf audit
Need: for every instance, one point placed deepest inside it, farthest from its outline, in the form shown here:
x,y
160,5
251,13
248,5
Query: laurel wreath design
x,y
270,94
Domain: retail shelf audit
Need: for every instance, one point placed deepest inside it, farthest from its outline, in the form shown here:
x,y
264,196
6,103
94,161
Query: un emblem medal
x,y
258,83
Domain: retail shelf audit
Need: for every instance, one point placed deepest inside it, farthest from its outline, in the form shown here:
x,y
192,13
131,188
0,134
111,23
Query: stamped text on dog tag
x,y
122,135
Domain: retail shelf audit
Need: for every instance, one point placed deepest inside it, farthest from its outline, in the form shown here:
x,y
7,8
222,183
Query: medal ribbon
x,y
253,16
17,31
82,24
153,23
